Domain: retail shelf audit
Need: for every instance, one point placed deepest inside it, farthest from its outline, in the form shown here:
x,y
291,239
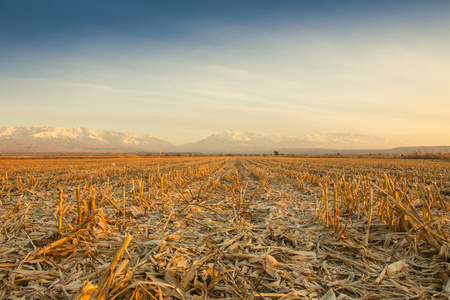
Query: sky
x,y
183,70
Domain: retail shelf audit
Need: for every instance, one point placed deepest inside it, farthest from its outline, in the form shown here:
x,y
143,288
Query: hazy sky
x,y
182,70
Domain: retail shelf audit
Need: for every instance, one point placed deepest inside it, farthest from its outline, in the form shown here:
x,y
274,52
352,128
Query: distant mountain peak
x,y
76,139
247,142
233,136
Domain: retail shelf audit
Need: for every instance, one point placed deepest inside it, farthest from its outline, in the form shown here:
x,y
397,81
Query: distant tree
x,y
276,153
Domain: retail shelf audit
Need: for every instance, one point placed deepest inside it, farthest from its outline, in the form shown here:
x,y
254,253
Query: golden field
x,y
247,227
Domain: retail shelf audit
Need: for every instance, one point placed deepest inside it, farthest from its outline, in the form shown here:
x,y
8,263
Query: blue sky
x,y
182,70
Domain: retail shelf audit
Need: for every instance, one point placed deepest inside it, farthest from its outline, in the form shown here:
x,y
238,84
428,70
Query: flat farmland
x,y
224,227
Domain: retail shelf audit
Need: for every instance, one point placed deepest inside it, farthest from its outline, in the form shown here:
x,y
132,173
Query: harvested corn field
x,y
224,227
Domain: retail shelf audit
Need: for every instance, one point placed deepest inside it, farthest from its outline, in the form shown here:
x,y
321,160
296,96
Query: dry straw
x,y
224,227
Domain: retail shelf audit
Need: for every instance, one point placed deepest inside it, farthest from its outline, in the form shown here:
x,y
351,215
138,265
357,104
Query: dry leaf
x,y
396,267
329,295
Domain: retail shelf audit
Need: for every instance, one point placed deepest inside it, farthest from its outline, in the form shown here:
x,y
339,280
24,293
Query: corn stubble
x,y
224,227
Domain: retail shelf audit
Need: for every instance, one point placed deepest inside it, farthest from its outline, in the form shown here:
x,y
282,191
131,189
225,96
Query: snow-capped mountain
x,y
47,139
76,139
245,142
231,142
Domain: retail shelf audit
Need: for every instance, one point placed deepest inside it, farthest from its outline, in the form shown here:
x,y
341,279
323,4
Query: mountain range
x,y
230,141
47,139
